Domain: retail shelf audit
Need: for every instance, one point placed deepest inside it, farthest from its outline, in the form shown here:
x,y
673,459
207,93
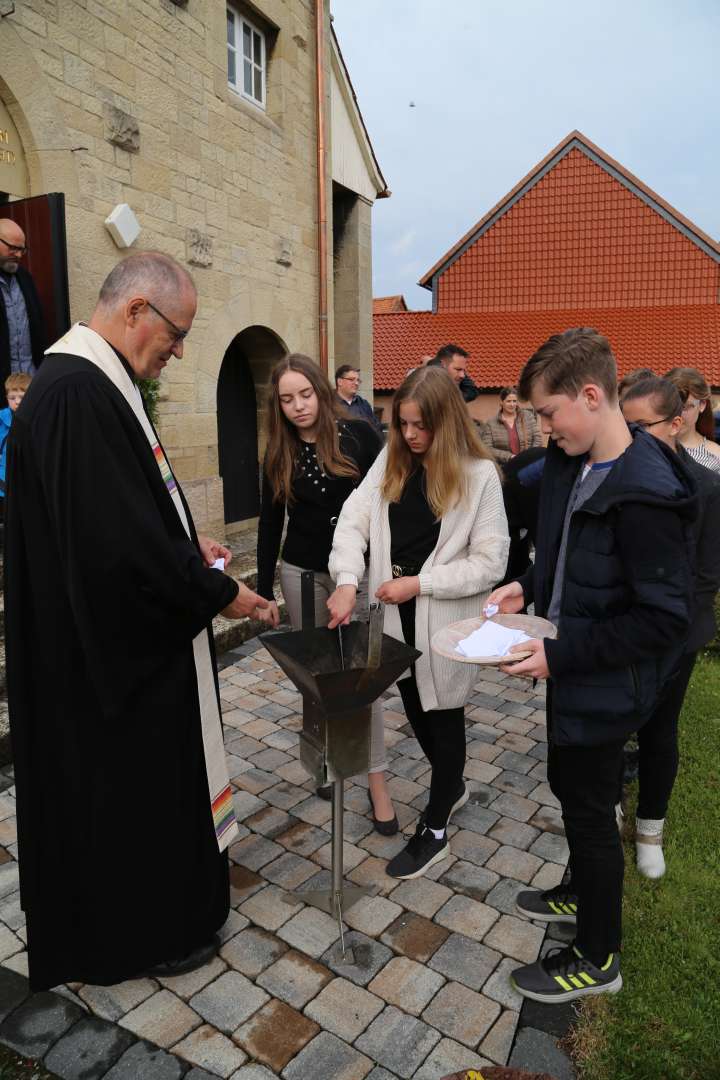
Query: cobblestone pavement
x,y
428,993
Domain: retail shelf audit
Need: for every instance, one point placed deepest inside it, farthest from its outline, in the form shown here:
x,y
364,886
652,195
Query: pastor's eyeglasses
x,y
179,335
16,249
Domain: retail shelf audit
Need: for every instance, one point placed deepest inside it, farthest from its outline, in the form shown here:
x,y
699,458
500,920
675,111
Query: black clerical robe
x,y
119,861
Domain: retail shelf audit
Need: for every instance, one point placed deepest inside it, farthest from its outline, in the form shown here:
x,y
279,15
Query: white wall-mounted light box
x,y
123,226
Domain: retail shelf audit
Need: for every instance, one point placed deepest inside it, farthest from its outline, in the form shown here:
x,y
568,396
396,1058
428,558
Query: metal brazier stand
x,y
339,673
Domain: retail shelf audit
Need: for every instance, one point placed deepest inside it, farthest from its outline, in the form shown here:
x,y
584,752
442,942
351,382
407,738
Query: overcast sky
x,y
495,84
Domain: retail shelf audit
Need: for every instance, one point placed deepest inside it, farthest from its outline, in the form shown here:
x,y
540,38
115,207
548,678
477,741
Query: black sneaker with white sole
x,y
565,974
552,905
421,852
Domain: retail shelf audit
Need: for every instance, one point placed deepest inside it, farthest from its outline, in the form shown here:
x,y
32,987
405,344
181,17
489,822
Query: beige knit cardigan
x,y
468,560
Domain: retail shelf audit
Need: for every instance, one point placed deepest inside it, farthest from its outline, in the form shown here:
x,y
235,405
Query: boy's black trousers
x,y
586,781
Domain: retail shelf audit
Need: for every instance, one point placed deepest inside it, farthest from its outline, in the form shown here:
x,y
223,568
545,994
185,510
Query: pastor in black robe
x,y
119,863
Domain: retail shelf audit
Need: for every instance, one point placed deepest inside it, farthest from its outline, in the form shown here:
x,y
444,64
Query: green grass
x,y
665,1023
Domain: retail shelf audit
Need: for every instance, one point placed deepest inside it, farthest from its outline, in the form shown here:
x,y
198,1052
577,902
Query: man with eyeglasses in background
x,y
122,784
347,384
22,330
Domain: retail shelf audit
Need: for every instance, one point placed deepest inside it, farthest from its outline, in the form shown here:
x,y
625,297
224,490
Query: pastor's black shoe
x,y
324,792
195,959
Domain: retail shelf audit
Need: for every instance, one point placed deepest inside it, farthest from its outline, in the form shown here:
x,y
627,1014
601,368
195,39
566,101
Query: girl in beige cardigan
x,y
431,509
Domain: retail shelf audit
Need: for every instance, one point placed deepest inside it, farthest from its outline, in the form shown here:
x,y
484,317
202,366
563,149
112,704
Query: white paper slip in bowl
x,y
445,641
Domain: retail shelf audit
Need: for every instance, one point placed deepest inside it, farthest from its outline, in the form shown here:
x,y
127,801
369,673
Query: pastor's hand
x,y
269,615
398,590
509,598
535,666
341,605
211,551
245,604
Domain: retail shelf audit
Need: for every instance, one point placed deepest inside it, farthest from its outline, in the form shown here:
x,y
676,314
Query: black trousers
x,y
658,745
585,779
440,732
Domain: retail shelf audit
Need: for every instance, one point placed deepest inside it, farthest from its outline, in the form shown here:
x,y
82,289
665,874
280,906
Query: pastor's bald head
x,y
147,273
145,309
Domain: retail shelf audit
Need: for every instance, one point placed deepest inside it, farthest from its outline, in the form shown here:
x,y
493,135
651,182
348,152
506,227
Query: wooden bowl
x,y
445,640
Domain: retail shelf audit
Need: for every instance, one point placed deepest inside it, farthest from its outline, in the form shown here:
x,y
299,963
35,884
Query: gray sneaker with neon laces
x,y
552,905
564,974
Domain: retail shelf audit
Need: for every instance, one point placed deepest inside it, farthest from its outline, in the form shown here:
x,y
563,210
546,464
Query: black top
x,y
414,529
35,321
312,516
707,552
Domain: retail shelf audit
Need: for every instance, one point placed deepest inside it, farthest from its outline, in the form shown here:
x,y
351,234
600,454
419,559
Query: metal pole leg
x,y
338,809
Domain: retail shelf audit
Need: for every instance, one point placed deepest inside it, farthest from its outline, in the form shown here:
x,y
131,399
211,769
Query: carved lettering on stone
x,y
199,247
121,128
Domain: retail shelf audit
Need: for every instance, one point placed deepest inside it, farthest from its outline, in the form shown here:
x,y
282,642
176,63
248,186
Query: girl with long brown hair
x,y
698,428
431,509
316,456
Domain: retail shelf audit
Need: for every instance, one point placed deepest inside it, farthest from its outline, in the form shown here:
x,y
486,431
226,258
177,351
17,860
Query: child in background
x,y
15,388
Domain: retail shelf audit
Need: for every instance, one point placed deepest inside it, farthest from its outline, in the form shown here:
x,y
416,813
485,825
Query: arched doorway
x,y
241,392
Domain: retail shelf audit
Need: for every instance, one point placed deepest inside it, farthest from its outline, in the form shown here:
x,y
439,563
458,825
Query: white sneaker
x,y
619,817
648,847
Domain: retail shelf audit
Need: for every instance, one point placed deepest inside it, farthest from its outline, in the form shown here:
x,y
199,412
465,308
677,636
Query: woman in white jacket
x,y
431,509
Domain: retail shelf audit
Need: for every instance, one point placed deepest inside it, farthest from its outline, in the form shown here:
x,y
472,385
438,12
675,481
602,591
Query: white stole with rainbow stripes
x,y
81,341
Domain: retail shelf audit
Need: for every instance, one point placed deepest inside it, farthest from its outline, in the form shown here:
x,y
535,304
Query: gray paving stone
x,y
314,811
512,862
311,931
289,871
345,1009
252,950
228,1001
461,1013
514,806
447,1058
162,1019
294,978
516,938
398,1042
421,895
14,989
252,1072
379,1073
145,1062
328,1056
270,908
504,895
552,848
516,833
302,838
538,1051
513,782
476,818
467,916
9,878
246,804
88,1050
112,1002
270,821
472,846
464,960
372,914
254,851
206,1048
38,1023
200,1074
285,795
539,751
498,1042
368,957
500,989
470,880
542,794
407,984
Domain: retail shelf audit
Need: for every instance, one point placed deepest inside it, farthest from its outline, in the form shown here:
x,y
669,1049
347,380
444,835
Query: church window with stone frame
x,y
246,57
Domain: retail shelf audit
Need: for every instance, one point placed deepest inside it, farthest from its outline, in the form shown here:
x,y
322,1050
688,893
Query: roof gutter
x,y
322,240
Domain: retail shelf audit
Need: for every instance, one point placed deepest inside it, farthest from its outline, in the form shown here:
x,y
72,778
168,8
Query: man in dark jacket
x,y
347,382
613,571
454,360
22,333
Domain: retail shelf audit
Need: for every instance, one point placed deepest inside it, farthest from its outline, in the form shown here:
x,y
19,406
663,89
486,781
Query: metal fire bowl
x,y
311,659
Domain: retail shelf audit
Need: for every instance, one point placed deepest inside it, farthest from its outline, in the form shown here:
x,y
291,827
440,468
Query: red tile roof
x,y
382,305
499,343
578,231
